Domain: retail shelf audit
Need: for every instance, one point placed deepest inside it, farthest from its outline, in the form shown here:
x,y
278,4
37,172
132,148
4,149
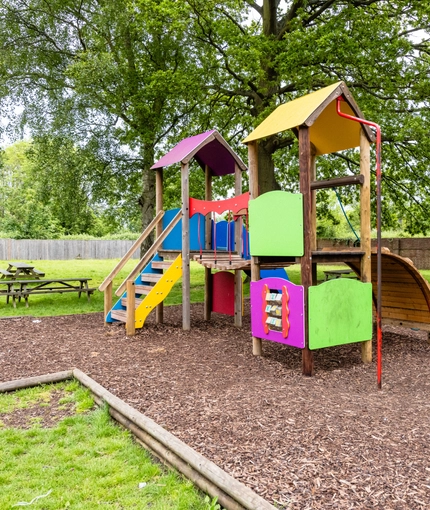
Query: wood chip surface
x,y
332,441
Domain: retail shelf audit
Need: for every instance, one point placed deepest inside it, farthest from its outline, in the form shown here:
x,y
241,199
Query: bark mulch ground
x,y
330,441
44,414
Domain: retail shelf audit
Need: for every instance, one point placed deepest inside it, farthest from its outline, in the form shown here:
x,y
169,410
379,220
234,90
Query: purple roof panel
x,y
208,148
182,149
217,157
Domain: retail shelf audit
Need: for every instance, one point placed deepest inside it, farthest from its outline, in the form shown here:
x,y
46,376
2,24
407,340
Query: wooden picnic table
x,y
17,270
17,289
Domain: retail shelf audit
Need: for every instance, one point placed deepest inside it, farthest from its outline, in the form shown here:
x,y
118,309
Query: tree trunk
x,y
266,170
147,199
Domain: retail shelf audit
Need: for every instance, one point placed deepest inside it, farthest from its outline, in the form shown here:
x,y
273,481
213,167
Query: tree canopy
x,y
126,78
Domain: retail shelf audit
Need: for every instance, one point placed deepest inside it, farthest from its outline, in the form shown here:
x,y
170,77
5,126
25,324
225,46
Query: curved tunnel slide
x,y
405,292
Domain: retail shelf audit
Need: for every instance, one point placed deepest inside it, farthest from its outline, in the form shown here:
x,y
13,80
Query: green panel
x,y
340,312
276,224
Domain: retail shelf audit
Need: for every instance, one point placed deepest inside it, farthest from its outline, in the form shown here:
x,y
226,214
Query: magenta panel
x,y
223,293
280,318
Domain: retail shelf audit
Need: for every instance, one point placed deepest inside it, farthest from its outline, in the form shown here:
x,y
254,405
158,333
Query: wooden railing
x,y
144,261
131,251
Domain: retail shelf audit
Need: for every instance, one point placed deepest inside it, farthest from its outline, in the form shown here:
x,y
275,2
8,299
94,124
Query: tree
x,y
23,215
380,49
127,76
104,73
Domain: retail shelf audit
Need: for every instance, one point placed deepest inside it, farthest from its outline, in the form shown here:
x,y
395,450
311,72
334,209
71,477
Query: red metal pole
x,y
378,235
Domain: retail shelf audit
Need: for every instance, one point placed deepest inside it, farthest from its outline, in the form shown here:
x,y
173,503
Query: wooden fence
x,y
34,249
418,250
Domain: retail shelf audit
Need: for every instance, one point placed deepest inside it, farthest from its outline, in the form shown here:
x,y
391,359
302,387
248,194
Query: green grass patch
x,y
69,303
84,462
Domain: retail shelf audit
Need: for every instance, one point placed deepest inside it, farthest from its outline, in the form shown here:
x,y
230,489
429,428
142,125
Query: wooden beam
x,y
130,252
186,306
238,285
29,382
365,231
305,167
243,496
208,294
208,197
207,311
253,169
159,228
108,300
339,181
257,345
239,220
130,323
144,261
238,297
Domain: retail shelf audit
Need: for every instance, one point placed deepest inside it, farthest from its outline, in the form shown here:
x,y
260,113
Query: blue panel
x,y
222,239
174,239
245,244
197,227
219,230
274,273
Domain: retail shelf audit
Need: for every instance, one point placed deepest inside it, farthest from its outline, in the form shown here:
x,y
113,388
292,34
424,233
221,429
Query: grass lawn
x,y
83,462
97,270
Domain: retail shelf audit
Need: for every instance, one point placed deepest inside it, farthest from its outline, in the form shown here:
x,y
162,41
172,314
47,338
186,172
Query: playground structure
x,y
308,316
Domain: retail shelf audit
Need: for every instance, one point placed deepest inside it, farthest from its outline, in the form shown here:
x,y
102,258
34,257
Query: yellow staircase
x,y
154,294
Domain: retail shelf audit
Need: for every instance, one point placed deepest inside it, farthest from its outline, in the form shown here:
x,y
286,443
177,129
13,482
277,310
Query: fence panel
x,y
418,250
36,249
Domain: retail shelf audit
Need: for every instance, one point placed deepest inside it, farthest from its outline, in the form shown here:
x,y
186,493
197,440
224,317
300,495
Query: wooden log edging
x,y
28,382
231,494
203,472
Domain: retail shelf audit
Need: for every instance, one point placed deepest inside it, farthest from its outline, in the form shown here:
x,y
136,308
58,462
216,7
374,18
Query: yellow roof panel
x,y
292,114
327,130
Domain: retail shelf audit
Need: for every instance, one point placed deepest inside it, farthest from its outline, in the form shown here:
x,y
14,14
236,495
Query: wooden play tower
x,y
320,130
282,232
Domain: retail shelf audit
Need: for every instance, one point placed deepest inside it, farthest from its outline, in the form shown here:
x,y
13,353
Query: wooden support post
x,y
257,343
257,347
253,169
305,166
130,328
313,213
208,294
238,297
108,300
208,245
238,286
239,221
365,240
186,307
208,197
159,228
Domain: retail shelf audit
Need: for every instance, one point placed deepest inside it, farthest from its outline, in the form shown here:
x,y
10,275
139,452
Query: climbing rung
x,y
143,289
151,277
137,302
119,315
161,264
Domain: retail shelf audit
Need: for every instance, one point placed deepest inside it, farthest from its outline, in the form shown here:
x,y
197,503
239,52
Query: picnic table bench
x,y
17,270
17,289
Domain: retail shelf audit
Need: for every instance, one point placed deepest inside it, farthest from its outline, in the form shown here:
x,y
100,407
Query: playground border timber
x,y
211,479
